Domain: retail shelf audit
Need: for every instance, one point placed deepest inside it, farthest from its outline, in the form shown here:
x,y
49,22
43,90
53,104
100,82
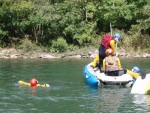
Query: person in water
x,y
33,83
107,42
136,69
135,72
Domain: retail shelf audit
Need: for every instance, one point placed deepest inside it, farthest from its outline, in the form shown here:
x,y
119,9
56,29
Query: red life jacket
x,y
106,41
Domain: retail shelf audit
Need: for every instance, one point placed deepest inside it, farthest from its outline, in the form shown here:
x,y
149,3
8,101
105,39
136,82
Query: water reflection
x,y
142,102
91,90
110,99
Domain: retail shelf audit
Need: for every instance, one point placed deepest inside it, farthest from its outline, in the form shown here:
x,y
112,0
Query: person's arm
x,y
24,83
119,64
43,85
112,45
133,74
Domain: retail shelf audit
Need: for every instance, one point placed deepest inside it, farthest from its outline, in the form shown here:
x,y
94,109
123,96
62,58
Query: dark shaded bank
x,y
14,54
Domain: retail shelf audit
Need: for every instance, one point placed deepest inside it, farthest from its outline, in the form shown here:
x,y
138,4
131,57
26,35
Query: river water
x,y
68,92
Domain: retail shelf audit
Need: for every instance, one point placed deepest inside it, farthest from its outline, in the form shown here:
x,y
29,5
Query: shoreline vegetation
x,y
72,28
11,53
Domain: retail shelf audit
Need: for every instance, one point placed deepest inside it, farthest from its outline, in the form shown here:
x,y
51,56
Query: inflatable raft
x,y
141,85
94,77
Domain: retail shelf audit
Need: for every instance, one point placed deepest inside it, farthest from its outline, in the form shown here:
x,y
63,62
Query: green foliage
x,y
85,35
91,10
27,46
77,31
2,45
118,12
75,22
12,13
59,45
145,24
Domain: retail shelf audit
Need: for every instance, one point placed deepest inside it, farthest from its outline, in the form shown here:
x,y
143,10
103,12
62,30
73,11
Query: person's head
x,y
116,36
136,69
109,52
33,82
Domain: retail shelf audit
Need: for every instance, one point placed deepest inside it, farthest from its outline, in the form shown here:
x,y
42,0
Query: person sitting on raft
x,y
109,53
111,64
135,72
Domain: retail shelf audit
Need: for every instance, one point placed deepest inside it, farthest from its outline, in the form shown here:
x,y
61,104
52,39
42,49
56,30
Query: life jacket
x,y
111,63
106,41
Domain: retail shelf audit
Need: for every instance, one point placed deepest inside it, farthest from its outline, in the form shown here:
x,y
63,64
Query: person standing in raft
x,y
107,42
96,60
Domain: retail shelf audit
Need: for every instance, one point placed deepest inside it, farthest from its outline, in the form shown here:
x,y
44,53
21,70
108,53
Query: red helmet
x,y
33,82
109,51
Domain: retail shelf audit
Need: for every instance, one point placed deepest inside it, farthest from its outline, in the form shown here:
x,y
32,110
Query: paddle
x,y
116,48
116,41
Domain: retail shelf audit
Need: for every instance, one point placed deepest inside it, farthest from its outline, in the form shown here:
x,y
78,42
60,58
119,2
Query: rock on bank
x,y
12,53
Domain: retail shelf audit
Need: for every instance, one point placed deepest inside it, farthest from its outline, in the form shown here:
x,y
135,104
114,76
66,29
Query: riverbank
x,y
12,53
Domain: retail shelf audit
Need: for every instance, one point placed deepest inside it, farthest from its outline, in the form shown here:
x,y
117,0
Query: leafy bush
x,y
72,47
59,45
2,44
27,46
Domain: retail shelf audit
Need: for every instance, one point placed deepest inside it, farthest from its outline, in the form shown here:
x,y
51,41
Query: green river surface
x,y
68,92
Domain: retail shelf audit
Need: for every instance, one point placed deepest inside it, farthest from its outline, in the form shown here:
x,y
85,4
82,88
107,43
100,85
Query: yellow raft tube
x,y
141,86
28,84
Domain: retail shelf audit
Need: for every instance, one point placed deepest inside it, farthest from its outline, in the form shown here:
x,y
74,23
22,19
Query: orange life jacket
x,y
106,41
111,63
